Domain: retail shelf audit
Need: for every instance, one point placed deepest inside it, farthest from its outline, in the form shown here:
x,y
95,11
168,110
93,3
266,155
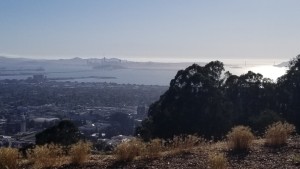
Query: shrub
x,y
48,155
264,119
217,161
8,158
128,150
79,152
153,148
65,133
277,133
240,138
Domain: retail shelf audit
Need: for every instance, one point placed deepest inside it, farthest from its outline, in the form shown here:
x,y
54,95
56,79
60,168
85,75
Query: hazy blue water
x,y
141,76
124,76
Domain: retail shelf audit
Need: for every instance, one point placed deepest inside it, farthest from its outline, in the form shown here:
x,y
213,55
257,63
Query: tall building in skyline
x,y
23,123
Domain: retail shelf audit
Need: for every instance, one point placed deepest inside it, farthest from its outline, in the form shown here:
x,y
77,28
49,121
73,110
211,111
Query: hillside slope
x,y
259,157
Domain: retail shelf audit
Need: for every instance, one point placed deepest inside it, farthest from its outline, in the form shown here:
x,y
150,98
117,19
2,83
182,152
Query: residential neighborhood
x,y
100,110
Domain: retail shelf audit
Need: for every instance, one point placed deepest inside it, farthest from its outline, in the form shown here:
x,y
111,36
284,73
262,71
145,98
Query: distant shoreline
x,y
167,60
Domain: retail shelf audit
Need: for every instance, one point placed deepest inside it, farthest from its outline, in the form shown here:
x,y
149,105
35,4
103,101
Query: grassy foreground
x,y
240,149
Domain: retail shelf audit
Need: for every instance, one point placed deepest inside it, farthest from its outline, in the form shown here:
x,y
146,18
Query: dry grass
x,y
9,158
296,159
277,133
240,138
217,161
79,152
128,150
185,142
47,156
154,148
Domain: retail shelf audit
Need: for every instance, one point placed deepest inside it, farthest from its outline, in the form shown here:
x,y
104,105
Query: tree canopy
x,y
206,101
194,96
64,133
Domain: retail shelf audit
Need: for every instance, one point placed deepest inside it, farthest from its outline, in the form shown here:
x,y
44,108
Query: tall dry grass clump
x,y
296,159
277,133
48,155
182,144
131,149
154,148
128,150
79,152
240,138
185,142
217,161
9,158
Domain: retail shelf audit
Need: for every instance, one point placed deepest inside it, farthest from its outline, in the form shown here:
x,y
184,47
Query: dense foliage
x,y
65,133
206,101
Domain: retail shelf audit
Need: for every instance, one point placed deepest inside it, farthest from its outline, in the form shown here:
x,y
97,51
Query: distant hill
x,y
283,64
95,63
91,70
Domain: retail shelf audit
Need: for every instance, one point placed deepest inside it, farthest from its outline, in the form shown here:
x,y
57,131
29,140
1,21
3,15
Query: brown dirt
x,y
259,157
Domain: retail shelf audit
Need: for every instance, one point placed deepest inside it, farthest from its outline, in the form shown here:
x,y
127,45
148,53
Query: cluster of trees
x,y
65,133
206,101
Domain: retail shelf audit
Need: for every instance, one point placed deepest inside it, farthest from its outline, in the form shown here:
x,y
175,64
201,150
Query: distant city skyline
x,y
151,30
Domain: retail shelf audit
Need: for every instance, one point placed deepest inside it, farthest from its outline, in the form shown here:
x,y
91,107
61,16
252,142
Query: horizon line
x,y
152,59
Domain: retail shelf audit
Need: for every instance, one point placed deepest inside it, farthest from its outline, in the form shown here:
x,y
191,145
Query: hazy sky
x,y
216,29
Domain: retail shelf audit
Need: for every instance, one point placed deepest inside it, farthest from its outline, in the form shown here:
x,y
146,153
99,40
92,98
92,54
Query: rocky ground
x,y
259,157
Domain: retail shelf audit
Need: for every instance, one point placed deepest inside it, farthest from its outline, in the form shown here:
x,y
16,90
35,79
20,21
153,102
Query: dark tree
x,y
251,94
194,104
199,101
65,133
288,93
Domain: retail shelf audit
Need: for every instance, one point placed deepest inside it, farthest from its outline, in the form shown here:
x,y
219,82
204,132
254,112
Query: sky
x,y
150,29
